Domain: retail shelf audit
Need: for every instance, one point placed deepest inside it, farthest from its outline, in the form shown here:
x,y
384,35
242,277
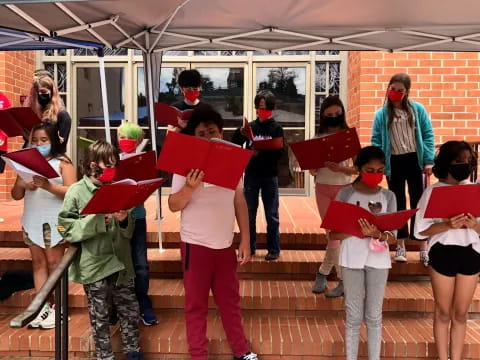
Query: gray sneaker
x,y
320,284
424,257
337,292
400,255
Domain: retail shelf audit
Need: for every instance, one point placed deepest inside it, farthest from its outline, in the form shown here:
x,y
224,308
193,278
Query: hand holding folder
x,y
314,153
169,115
222,162
137,167
343,217
16,121
122,195
261,144
448,201
28,163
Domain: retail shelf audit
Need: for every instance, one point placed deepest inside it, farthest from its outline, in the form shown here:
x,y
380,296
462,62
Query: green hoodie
x,y
104,249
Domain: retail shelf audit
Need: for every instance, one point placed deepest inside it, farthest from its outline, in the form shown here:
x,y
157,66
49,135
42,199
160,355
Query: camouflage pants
x,y
99,295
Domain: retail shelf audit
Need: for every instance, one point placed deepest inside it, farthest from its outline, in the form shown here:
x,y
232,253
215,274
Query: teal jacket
x,y
425,138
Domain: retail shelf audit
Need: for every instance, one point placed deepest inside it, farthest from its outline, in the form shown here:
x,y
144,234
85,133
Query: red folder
x,y
122,195
169,115
33,160
222,162
138,167
448,201
268,144
343,217
16,120
312,154
248,128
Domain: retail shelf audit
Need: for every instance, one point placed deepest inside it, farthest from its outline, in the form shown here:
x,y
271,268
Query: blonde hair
x,y
50,112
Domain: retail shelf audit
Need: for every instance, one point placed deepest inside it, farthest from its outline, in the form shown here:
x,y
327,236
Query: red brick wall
x,y
16,69
447,84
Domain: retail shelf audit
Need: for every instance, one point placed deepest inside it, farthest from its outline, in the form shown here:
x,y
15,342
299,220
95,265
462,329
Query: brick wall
x,y
447,84
16,69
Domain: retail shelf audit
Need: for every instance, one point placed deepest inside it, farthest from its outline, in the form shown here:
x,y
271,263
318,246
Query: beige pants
x,y
331,260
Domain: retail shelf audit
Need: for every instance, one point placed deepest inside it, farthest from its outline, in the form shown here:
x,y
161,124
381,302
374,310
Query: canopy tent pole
x,y
103,85
148,69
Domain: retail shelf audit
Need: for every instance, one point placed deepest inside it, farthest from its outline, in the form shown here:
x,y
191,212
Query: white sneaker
x,y
400,255
43,314
49,321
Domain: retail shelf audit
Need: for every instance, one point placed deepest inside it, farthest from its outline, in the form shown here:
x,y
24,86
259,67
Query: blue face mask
x,y
44,149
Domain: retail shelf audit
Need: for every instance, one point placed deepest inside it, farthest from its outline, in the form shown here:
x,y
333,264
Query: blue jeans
x,y
269,191
138,246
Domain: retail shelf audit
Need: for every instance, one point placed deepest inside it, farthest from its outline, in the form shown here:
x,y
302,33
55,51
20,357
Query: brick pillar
x,y
16,69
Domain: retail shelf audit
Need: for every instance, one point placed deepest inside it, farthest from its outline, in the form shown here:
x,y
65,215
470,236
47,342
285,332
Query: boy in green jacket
x,y
104,264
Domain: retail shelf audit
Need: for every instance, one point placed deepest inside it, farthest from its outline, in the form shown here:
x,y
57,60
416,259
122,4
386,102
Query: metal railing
x,y
58,282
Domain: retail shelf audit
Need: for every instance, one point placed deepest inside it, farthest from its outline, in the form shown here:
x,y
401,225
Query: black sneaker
x,y
247,356
272,256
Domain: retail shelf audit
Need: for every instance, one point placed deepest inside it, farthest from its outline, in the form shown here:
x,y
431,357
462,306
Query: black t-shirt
x,y
182,105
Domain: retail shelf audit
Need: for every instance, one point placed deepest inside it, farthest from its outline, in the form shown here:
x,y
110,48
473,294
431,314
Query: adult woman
x,y
404,132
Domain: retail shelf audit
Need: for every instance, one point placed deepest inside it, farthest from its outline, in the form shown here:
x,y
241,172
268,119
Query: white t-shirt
x,y
354,251
460,237
209,217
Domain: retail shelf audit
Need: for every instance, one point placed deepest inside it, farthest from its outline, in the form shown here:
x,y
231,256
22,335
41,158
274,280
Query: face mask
x,y
460,172
264,114
192,95
107,175
334,121
45,150
44,99
372,179
127,145
395,96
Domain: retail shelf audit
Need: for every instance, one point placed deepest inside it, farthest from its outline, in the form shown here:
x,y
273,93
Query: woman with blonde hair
x,y
45,101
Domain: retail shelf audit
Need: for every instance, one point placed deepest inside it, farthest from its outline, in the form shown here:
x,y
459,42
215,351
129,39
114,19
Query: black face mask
x,y
44,99
334,121
460,172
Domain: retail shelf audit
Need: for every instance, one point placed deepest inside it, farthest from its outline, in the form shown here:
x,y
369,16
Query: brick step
x,y
292,264
271,336
283,297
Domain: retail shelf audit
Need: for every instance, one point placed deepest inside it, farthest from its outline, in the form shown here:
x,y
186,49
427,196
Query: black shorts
x,y
450,260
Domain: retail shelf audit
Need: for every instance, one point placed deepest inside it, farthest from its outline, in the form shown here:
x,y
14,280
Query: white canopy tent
x,y
154,26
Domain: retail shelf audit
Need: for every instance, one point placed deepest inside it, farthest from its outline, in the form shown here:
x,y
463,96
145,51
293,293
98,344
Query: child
x,y
190,84
404,132
262,174
42,202
104,264
129,137
328,182
209,260
364,267
454,252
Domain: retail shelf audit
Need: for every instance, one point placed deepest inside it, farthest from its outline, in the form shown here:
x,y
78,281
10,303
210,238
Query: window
x,y
327,82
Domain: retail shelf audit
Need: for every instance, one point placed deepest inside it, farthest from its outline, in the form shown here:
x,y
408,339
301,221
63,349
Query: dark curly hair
x,y
448,153
203,114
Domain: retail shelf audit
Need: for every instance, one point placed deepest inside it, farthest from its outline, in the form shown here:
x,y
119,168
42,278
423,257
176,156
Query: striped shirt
x,y
402,135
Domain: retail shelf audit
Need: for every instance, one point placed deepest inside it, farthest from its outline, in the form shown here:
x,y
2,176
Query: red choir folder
x,y
222,162
312,154
122,195
248,128
138,167
343,217
448,201
16,120
268,144
169,115
33,160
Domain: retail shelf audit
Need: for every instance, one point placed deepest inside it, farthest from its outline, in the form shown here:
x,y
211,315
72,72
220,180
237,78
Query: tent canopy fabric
x,y
20,40
275,25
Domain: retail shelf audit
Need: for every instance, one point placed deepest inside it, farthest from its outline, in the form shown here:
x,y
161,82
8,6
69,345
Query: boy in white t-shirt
x,y
208,256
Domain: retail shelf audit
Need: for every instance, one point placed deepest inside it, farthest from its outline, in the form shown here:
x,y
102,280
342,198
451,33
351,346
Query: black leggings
x,y
405,169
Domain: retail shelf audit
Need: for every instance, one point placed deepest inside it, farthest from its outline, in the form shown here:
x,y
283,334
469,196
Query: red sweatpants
x,y
205,269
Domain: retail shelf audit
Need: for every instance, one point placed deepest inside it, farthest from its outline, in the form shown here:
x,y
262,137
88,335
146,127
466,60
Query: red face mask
x,y
127,145
264,114
107,175
395,96
192,95
372,179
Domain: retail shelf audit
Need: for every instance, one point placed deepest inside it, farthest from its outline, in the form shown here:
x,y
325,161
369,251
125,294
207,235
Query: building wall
x,y
447,84
16,69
